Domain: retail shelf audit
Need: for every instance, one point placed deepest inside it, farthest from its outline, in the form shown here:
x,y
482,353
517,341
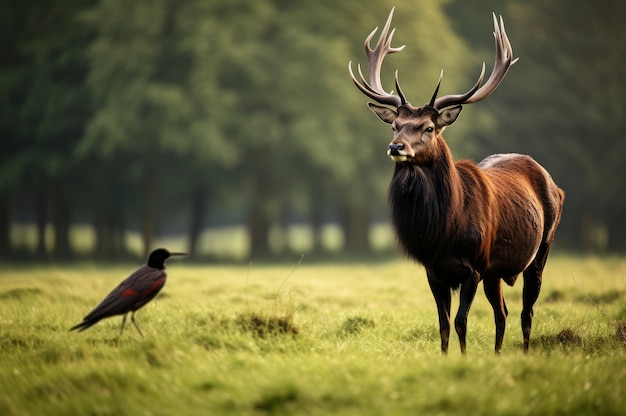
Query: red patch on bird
x,y
155,286
129,292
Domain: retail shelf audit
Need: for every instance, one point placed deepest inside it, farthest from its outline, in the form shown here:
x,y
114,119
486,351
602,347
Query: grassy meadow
x,y
308,339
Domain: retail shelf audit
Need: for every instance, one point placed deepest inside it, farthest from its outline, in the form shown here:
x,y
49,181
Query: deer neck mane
x,y
423,199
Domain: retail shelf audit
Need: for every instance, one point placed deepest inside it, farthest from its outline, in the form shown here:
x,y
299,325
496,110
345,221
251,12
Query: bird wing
x,y
135,291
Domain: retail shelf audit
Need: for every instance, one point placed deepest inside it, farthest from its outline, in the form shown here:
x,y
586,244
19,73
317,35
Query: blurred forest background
x,y
232,126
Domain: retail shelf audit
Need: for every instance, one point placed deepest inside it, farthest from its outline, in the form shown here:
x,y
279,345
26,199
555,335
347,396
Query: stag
x,y
464,222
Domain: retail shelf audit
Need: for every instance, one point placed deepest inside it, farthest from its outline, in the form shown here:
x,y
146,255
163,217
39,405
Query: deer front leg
x,y
443,299
468,290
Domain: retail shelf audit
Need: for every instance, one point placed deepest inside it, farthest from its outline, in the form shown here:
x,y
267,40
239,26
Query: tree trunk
x,y
41,220
196,221
102,232
259,212
282,243
149,182
5,224
316,215
616,224
355,226
62,219
118,233
258,226
108,223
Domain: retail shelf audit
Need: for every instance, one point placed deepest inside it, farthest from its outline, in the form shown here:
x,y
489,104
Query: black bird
x,y
133,293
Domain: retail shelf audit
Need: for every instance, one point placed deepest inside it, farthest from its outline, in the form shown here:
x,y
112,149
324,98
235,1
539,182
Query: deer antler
x,y
504,60
375,57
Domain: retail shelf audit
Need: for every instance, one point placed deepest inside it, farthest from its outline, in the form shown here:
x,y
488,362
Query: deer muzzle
x,y
396,152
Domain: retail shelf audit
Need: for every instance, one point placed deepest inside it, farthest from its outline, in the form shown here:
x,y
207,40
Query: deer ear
x,y
384,113
448,116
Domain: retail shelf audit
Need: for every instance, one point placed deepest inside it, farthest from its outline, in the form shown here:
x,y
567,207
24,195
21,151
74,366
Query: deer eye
x,y
429,129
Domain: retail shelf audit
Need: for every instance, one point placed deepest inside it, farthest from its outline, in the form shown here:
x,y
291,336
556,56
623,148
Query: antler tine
x,y
432,100
503,61
450,100
375,57
400,93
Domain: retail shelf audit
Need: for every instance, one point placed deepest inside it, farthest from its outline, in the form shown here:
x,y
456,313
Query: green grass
x,y
308,340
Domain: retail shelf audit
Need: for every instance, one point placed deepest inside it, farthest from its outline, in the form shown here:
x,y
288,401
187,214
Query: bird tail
x,y
84,325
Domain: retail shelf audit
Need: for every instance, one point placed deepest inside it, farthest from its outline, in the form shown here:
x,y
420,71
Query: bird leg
x,y
123,322
132,318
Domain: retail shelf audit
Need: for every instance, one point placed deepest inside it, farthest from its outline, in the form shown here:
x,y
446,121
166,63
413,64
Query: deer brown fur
x,y
464,222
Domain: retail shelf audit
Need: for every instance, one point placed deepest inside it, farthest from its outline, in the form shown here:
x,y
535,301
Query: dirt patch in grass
x,y
569,338
21,293
279,401
355,324
603,298
620,332
554,296
10,343
264,325
430,333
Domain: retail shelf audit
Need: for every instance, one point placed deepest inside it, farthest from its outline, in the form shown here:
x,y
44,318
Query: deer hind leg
x,y
533,276
493,291
468,291
443,299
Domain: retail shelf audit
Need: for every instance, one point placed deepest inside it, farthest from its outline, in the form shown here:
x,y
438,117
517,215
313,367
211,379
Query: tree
x,y
151,97
46,107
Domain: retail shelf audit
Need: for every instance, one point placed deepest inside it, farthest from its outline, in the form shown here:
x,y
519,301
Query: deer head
x,y
417,129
